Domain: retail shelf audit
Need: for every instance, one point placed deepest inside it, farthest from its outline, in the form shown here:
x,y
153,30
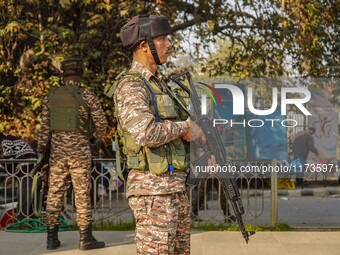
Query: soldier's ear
x,y
143,46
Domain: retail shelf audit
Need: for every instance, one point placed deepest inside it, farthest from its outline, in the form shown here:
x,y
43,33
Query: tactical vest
x,y
164,106
65,103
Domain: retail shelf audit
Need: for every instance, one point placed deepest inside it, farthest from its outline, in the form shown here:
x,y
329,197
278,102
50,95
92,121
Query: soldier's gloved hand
x,y
194,133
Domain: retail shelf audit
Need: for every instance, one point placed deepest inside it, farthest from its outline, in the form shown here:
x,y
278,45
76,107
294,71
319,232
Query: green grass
x,y
108,225
119,225
224,227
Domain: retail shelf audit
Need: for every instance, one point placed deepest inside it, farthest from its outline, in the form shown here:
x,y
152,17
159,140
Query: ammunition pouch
x,y
155,159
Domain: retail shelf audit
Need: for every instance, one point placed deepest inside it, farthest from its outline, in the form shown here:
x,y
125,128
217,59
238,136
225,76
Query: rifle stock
x,y
41,166
214,147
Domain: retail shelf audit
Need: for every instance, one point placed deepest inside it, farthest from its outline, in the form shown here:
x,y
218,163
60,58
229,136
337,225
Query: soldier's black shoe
x,y
87,240
52,238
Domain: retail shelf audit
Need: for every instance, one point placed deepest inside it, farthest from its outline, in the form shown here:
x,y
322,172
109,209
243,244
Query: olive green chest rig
x,y
65,104
164,106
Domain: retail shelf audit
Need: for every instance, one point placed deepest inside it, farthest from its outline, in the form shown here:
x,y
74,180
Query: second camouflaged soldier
x,y
155,130
68,114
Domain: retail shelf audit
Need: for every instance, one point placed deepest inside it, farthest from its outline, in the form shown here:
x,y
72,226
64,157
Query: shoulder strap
x,y
110,90
151,93
153,99
178,100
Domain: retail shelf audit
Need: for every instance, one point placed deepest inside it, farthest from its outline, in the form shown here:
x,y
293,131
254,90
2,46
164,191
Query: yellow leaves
x,y
315,41
105,5
4,125
94,20
12,27
17,127
211,25
35,103
64,3
123,12
305,65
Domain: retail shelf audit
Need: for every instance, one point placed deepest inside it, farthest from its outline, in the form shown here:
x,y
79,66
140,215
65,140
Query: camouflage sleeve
x,y
97,113
134,115
44,126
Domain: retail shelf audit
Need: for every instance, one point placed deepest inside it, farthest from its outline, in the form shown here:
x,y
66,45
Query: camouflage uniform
x,y
159,202
70,155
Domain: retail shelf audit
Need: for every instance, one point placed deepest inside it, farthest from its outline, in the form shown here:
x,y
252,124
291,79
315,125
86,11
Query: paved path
x,y
202,243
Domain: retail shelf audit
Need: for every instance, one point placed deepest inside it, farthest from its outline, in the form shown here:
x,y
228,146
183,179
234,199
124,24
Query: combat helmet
x,y
144,28
72,66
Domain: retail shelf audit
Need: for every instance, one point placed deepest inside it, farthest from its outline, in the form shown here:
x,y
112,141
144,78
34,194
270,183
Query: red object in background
x,y
8,217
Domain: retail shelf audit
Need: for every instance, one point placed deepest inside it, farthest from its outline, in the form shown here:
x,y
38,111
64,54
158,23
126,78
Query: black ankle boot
x,y
87,241
52,238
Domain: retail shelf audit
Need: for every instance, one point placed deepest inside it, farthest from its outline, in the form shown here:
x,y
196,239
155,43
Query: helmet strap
x,y
144,32
154,51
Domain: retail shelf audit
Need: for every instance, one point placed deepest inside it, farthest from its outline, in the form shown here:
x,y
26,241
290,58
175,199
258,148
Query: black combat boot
x,y
87,241
52,238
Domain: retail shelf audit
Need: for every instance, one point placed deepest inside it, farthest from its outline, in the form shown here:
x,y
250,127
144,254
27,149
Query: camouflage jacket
x,y
134,114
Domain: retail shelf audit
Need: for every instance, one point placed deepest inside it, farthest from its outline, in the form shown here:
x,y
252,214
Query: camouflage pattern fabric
x,y
158,202
70,155
77,163
146,183
134,114
162,224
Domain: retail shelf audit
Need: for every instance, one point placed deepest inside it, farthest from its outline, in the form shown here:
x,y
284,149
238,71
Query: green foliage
x,y
277,38
264,38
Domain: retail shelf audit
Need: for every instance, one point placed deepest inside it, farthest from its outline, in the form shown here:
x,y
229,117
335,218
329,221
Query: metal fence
x,y
21,195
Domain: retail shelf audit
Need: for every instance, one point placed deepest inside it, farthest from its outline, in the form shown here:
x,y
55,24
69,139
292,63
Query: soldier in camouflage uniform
x,y
67,114
150,121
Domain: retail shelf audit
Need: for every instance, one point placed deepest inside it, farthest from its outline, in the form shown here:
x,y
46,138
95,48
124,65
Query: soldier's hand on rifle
x,y
44,168
194,133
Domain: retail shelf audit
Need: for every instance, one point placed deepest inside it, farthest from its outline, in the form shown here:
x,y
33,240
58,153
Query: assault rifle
x,y
214,147
43,164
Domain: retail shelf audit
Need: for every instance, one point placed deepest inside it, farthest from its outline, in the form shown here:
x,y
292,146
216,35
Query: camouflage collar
x,y
136,66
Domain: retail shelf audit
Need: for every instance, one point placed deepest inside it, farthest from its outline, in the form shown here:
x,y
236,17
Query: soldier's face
x,y
163,47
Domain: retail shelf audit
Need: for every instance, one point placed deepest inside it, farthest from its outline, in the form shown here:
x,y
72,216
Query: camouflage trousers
x,y
79,170
162,224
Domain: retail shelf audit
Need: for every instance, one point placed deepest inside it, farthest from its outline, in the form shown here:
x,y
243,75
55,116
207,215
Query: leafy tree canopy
x,y
264,38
